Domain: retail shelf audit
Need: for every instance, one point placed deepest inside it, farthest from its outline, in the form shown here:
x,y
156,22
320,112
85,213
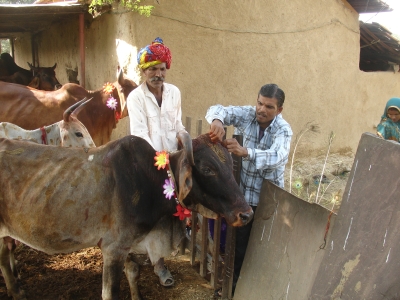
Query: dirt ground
x,y
78,275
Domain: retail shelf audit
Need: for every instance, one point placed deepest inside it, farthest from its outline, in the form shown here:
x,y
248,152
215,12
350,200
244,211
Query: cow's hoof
x,y
165,277
20,295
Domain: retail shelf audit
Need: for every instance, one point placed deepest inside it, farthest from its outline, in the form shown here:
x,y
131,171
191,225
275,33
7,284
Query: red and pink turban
x,y
153,54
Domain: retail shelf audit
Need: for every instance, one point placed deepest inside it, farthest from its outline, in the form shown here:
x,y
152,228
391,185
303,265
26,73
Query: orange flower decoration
x,y
162,159
182,213
108,88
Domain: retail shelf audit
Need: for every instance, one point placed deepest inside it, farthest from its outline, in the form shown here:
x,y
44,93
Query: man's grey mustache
x,y
157,78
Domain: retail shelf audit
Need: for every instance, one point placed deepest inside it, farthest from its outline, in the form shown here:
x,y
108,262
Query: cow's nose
x,y
246,217
57,87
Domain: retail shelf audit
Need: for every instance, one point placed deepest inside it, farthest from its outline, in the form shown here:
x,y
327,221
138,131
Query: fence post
x,y
194,218
231,234
184,243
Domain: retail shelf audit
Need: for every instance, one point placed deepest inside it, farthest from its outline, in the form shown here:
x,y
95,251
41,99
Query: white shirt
x,y
157,125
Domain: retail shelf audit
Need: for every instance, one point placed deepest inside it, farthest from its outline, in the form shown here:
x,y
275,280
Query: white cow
x,y
69,132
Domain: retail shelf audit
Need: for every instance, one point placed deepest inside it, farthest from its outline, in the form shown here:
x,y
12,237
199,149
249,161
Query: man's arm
x,y
218,116
138,118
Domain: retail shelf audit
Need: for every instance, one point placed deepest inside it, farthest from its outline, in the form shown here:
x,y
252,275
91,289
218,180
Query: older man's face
x,y
155,75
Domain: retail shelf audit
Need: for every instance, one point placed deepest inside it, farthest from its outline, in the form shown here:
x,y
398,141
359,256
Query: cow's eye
x,y
79,134
207,171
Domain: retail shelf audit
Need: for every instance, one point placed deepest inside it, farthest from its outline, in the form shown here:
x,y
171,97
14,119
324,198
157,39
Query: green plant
x,y
330,140
309,127
132,5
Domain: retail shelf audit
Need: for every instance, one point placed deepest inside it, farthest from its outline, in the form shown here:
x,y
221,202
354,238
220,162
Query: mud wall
x,y
225,51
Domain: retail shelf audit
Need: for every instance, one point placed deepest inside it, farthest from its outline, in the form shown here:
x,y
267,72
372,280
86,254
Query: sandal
x,y
165,277
218,292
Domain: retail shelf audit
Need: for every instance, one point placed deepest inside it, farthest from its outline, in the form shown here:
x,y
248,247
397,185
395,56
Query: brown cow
x,y
30,109
41,78
60,200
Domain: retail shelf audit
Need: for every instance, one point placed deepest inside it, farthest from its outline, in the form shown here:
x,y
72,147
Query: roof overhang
x,y
369,6
33,18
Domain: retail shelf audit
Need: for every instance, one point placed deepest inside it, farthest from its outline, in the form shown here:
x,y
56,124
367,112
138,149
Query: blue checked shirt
x,y
267,158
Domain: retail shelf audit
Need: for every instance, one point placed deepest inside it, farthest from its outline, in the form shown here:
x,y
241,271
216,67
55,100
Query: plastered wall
x,y
224,51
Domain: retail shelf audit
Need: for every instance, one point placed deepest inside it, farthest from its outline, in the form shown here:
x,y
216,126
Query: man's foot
x,y
165,277
218,293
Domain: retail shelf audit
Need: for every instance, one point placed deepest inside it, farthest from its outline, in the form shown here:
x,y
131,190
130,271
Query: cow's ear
x,y
34,83
185,178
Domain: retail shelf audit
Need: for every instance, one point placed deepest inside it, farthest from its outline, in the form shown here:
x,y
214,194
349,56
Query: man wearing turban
x,y
155,112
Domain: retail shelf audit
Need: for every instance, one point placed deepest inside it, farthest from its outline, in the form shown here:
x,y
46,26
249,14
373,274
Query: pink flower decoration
x,y
169,189
112,103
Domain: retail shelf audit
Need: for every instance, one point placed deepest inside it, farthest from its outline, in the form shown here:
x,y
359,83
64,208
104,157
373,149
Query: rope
x,y
44,135
326,231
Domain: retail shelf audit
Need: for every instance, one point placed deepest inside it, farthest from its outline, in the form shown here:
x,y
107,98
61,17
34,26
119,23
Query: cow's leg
x,y
13,262
13,289
132,270
113,265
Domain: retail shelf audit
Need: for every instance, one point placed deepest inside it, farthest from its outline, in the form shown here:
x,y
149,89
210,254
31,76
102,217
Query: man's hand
x,y
234,147
217,131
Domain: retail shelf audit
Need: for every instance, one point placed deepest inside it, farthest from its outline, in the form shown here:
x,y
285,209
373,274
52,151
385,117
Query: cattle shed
x,y
223,53
35,18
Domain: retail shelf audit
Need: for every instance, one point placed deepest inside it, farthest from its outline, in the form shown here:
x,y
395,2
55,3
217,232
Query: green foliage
x,y
5,46
132,5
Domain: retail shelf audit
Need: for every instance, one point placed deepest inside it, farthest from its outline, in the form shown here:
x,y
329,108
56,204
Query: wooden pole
x,y
192,246
82,48
231,235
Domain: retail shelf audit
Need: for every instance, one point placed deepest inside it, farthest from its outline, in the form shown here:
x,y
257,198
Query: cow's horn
x,y
120,75
185,142
70,109
79,108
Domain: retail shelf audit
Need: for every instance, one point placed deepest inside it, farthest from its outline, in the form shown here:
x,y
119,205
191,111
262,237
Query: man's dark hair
x,y
271,90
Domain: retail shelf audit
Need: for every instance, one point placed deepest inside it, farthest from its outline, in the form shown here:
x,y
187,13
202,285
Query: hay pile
x,y
306,177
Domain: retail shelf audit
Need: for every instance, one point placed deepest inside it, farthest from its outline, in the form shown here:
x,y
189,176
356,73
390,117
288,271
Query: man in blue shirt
x,y
265,150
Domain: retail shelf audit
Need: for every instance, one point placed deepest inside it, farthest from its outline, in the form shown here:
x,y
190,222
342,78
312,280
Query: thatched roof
x,y
369,6
379,49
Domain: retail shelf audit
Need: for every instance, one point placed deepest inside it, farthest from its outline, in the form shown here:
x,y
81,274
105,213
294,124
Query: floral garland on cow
x,y
112,103
162,162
